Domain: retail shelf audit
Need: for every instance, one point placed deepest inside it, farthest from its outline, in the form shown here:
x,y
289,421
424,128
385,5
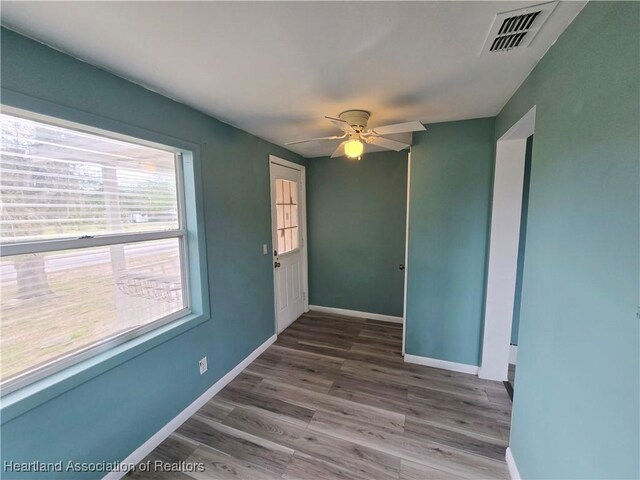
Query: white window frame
x,y
87,241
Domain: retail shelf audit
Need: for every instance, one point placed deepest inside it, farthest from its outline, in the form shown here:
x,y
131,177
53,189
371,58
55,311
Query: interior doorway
x,y
517,301
289,232
505,248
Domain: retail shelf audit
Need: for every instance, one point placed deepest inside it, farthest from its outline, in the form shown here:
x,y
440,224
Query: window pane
x,y
287,216
57,183
56,303
281,246
294,238
287,192
280,215
294,193
287,239
294,215
280,191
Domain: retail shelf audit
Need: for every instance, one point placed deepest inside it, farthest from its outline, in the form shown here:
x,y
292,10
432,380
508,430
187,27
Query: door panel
x,y
283,302
295,281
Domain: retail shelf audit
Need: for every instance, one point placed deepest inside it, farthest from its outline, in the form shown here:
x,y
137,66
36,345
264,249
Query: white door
x,y
288,218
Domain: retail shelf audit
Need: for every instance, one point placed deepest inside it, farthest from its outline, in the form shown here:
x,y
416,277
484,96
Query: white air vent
x,y
517,28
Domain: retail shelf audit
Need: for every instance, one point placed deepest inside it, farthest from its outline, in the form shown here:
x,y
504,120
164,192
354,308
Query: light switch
x,y
264,249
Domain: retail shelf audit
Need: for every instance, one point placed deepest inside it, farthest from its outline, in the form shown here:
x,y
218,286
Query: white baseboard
x,y
513,354
147,447
443,364
357,314
511,464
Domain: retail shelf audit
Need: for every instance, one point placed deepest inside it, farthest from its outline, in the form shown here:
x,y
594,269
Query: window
x,y
92,244
287,215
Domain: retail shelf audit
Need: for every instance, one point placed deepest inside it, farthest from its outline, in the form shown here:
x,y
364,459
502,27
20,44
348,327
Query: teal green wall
x,y
105,417
451,175
576,407
515,323
357,222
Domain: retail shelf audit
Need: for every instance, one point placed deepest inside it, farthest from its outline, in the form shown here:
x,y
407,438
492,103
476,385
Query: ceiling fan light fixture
x,y
353,124
353,148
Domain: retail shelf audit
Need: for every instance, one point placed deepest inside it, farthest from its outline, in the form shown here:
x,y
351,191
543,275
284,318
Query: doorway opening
x,y
524,214
506,250
289,234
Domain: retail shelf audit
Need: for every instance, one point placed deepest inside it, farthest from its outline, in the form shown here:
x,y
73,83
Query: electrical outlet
x,y
264,249
203,365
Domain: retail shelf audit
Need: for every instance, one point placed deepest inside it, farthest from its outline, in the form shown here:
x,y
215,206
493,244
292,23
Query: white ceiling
x,y
275,69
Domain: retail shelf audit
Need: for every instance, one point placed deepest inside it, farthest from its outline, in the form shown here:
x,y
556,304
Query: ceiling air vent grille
x,y
513,31
517,28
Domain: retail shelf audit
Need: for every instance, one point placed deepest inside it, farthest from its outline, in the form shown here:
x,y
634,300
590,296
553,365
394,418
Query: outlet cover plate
x,y
203,365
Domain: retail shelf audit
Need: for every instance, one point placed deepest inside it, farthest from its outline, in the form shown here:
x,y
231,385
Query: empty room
x,y
320,240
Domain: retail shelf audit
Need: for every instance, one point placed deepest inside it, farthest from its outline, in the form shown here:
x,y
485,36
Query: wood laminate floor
x,y
333,399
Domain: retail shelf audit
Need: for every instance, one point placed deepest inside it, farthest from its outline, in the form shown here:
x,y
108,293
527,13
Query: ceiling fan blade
x,y
387,143
341,124
399,128
334,137
339,151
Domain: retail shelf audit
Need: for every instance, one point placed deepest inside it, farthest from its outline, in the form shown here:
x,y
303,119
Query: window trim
x,y
106,344
45,246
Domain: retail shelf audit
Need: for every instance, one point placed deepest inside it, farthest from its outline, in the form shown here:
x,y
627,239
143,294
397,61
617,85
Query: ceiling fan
x,y
353,124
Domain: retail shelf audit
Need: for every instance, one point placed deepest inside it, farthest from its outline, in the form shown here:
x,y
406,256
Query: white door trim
x,y
503,247
406,255
303,232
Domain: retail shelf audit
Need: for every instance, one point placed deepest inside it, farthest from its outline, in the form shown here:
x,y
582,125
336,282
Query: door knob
x,y
276,264
401,266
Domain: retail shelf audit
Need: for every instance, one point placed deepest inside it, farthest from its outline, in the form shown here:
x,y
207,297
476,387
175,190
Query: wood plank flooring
x,y
333,399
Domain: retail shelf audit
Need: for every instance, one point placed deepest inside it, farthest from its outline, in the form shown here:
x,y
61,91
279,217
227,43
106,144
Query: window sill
x,y
29,397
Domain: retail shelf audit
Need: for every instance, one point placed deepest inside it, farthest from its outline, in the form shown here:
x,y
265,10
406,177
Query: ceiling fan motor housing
x,y
356,118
